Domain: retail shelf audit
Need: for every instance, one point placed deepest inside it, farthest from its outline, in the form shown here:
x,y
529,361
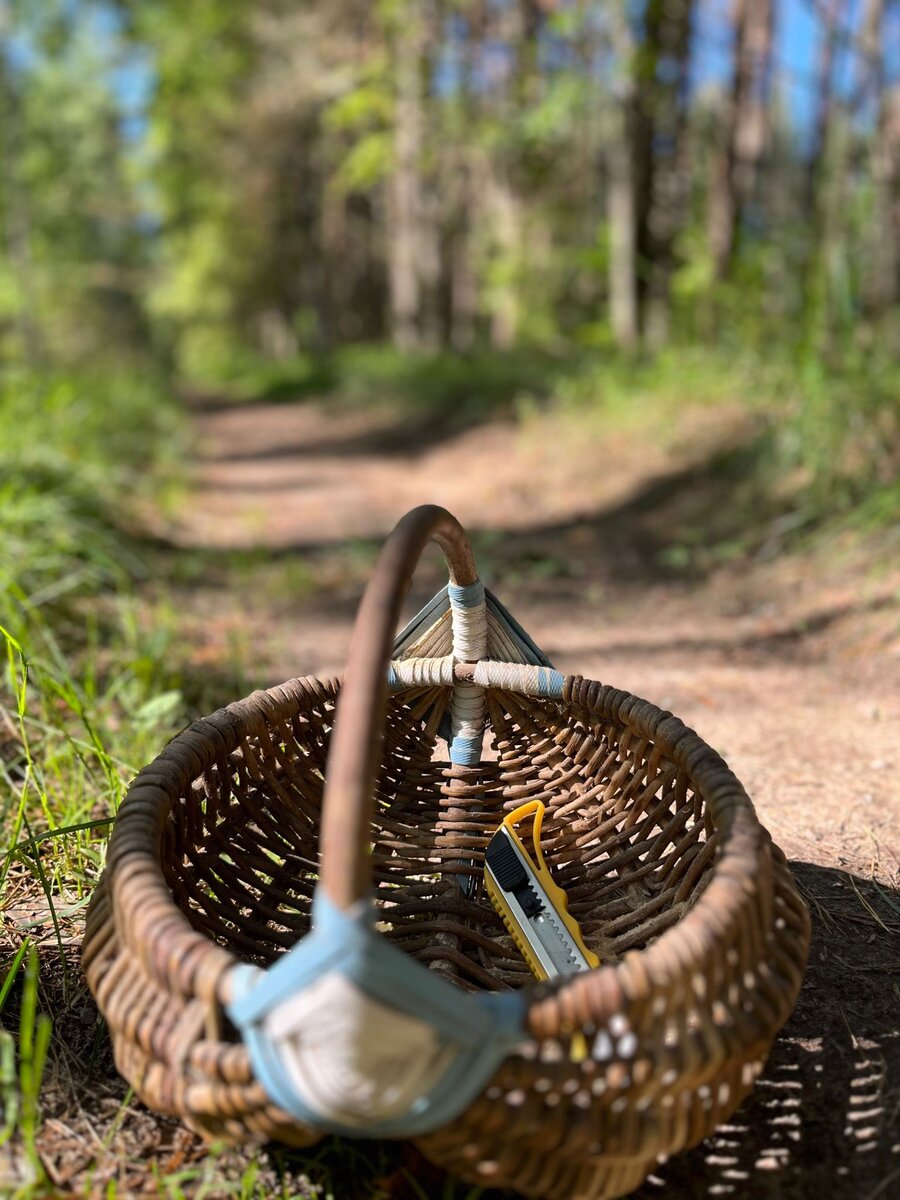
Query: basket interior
x,y
624,834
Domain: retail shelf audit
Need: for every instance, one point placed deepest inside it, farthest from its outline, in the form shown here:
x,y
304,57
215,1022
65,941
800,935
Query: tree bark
x,y
463,284
884,282
662,185
464,197
746,131
15,213
824,105
887,183
621,199
405,200
520,25
817,299
504,206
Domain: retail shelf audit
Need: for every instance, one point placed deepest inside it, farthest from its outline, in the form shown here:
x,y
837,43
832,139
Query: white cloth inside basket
x,y
351,1058
350,1035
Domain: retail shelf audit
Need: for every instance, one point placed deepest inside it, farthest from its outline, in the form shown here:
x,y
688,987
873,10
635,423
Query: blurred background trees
x,y
620,276
274,177
252,180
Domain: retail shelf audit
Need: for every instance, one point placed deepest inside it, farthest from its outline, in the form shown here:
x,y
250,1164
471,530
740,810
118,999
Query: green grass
x,y
87,681
22,1061
440,387
806,452
85,694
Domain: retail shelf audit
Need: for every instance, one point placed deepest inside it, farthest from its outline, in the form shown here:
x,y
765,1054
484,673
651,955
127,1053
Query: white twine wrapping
x,y
467,712
512,677
519,677
470,636
470,628
421,672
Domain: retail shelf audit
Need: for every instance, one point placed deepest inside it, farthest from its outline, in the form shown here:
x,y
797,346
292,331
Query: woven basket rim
x,y
185,961
658,1044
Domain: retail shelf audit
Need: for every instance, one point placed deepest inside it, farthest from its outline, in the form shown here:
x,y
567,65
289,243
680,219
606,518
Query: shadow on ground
x,y
675,521
319,509
822,1120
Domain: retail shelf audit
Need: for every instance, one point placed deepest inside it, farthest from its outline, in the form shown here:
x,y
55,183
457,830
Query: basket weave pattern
x,y
677,887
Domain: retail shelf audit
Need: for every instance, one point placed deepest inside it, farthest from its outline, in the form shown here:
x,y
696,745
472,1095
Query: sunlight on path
x,y
307,474
783,675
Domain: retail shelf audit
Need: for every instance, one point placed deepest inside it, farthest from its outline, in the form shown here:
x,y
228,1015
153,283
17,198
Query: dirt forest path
x,y
790,667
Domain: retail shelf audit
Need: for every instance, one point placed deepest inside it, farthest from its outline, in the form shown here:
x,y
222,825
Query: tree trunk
x,y
620,191
883,283
887,184
746,131
16,215
432,216
817,301
405,201
463,284
824,104
518,26
504,206
663,96
463,195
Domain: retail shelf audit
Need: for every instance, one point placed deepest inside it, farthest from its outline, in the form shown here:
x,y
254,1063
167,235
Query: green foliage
x,y
366,163
440,387
76,454
843,430
548,123
67,205
22,1062
831,437
191,172
88,685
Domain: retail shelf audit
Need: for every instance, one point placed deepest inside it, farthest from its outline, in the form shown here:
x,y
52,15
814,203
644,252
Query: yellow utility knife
x,y
534,909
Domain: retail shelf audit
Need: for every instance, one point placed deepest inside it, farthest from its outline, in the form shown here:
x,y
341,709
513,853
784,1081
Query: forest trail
x,y
792,673
788,668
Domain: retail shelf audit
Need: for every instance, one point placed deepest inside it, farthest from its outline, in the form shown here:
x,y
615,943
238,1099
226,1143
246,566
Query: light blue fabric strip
x,y
465,752
469,596
483,1026
550,683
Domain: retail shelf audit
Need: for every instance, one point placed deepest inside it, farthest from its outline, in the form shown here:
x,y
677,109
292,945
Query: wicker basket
x,y
580,1084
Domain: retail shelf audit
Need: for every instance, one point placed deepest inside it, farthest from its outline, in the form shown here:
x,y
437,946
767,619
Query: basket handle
x,y
345,869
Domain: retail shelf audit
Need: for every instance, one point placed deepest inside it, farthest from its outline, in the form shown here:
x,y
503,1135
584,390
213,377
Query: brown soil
x,y
788,663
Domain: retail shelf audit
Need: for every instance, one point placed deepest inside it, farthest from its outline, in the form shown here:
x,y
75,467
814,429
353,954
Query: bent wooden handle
x,y
345,868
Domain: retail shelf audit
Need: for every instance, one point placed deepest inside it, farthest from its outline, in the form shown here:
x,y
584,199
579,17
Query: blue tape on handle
x,y
549,682
466,752
481,1028
469,596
